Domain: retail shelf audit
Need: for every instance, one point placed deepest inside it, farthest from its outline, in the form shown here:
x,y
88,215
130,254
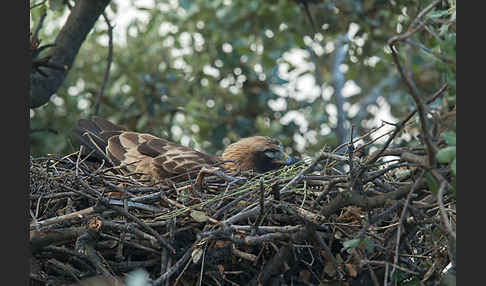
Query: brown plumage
x,y
159,159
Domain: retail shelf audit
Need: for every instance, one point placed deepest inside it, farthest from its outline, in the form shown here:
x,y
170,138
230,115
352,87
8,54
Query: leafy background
x,y
205,73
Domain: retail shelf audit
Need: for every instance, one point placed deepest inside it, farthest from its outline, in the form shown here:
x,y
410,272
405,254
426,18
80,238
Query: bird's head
x,y
258,153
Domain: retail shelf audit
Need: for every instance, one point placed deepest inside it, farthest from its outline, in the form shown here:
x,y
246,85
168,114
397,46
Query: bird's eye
x,y
270,153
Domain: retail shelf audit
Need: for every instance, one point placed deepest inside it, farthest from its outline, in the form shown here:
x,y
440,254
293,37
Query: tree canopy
x,y
205,73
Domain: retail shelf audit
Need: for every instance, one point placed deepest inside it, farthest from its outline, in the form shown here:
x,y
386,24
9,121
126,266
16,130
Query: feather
x,y
160,159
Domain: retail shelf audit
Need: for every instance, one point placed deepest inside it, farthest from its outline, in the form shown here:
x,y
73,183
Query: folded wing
x,y
140,152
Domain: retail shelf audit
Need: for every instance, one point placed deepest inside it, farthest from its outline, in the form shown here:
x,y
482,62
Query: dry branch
x,y
68,42
264,229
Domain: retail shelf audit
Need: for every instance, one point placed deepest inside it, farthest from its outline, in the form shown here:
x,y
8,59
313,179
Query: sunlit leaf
x,y
199,216
453,166
450,137
446,155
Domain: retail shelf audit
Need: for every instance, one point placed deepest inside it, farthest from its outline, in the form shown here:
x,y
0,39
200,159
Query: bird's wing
x,y
94,134
155,156
139,152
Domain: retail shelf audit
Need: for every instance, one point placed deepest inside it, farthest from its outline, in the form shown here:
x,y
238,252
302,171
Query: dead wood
x,y
304,224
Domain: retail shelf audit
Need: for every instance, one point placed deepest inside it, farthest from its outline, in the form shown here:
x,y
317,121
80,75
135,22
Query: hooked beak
x,y
286,159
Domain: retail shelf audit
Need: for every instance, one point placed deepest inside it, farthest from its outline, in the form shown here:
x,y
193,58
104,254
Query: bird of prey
x,y
159,159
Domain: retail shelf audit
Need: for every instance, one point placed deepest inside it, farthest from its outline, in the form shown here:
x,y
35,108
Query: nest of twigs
x,y
335,219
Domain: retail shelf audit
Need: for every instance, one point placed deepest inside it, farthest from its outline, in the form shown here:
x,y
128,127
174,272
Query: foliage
x,y
205,73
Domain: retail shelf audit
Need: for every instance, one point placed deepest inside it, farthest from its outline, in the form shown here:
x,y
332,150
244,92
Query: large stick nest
x,y
334,219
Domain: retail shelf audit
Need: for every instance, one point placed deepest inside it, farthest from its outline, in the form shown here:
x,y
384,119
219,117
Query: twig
x,y
247,256
372,159
375,219
302,173
450,62
176,281
255,240
443,214
243,215
305,7
262,206
78,159
142,224
108,64
199,283
282,256
366,261
221,210
39,25
322,244
39,239
171,271
357,139
265,229
402,219
37,4
75,215
431,148
352,198
374,279
164,262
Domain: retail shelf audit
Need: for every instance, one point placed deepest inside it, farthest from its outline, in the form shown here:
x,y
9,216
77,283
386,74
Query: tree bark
x,y
79,23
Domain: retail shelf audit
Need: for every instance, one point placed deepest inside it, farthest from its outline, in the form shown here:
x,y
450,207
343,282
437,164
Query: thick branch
x,y
345,199
79,23
338,82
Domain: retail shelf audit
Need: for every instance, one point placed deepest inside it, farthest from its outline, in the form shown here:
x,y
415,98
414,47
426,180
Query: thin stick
x,y
108,64
443,213
58,219
39,25
174,268
402,218
386,264
142,224
431,148
77,160
401,125
302,173
262,206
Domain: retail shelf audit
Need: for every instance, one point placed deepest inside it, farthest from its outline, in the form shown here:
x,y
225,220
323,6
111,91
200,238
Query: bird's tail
x,y
93,134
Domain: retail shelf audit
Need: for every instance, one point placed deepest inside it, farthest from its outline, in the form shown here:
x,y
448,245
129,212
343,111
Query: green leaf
x,y
450,137
199,216
55,4
352,243
446,155
432,183
437,14
369,244
453,166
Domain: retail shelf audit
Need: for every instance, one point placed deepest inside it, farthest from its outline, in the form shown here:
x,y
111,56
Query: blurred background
x,y
204,73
